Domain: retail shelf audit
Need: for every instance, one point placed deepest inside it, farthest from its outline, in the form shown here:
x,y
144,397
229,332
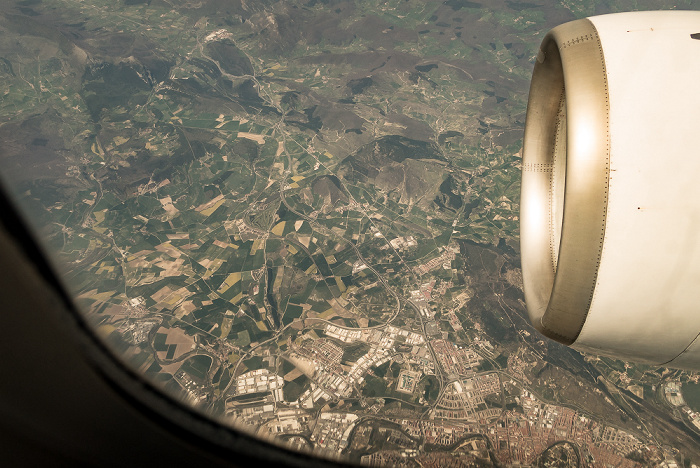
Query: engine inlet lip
x,y
563,217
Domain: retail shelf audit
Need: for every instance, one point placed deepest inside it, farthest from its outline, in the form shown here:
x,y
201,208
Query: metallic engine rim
x,y
570,66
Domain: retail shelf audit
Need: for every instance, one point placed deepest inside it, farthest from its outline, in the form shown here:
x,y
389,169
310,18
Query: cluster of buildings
x,y
407,381
254,396
316,392
358,266
438,432
455,360
332,430
464,399
484,345
346,335
386,458
409,337
673,394
426,289
383,337
403,243
693,416
260,381
444,260
454,321
420,303
521,437
323,352
285,421
331,379
469,416
517,437
469,413
252,415
375,357
136,332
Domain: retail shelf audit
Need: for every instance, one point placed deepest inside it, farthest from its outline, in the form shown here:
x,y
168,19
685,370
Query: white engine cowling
x,y
610,202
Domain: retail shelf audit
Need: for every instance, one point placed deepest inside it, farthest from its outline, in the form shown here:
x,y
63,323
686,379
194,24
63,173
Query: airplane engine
x,y
610,202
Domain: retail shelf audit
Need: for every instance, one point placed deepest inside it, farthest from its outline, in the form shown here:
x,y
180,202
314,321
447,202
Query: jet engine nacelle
x,y
610,203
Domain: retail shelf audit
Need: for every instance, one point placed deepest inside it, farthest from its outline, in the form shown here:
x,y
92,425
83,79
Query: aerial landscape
x,y
301,219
